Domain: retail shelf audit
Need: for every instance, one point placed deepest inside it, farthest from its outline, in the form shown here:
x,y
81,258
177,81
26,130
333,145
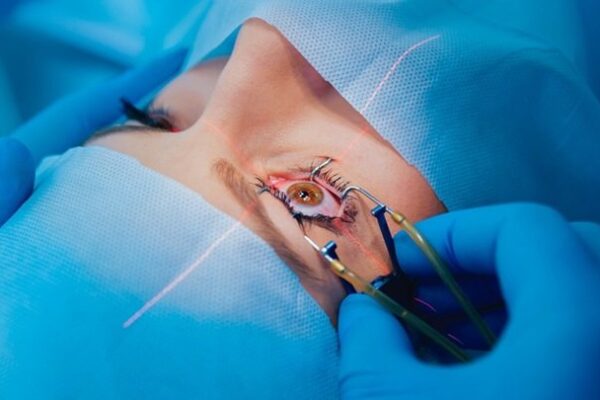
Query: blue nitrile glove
x,y
550,280
69,122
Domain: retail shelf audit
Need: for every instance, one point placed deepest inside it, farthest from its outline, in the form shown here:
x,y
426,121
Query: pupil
x,y
304,195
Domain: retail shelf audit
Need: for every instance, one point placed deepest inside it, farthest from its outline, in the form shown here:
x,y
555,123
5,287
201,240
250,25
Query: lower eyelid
x,y
322,209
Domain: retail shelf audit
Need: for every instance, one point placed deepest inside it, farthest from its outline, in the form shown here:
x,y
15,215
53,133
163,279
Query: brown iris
x,y
306,193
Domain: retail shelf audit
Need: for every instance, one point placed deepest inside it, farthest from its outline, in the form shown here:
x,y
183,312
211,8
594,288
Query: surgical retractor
x,y
438,264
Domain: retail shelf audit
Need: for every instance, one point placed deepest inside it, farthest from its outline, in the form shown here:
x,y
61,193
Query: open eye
x,y
309,198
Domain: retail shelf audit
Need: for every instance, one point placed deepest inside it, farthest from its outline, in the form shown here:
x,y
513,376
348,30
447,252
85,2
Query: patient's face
x,y
249,131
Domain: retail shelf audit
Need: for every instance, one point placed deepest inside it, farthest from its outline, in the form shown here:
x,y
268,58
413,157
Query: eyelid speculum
x,y
319,167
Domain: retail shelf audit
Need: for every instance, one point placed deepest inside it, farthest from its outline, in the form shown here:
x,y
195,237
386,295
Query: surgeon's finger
x,y
16,176
71,120
589,233
411,257
369,335
536,254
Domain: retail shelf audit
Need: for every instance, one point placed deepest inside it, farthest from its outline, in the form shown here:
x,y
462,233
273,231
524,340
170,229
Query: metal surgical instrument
x,y
395,291
328,253
436,261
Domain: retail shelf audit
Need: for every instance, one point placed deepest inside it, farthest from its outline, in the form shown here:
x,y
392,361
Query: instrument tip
x,y
312,243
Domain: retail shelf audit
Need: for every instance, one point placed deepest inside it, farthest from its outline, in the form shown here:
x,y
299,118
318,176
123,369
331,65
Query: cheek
x,y
281,219
314,275
361,246
418,203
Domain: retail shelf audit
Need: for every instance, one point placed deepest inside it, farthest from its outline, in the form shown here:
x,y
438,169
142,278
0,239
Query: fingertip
x,y
412,258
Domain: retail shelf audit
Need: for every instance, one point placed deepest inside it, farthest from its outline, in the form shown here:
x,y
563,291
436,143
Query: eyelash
x,y
333,180
326,174
159,118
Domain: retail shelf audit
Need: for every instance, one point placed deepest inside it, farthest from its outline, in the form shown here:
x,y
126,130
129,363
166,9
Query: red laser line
x,y
451,336
381,265
192,267
382,83
424,303
230,143
186,272
393,68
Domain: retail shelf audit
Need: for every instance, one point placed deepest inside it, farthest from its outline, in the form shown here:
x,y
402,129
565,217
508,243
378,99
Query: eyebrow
x,y
246,194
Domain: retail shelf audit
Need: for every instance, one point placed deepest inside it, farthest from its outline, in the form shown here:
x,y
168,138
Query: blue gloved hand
x,y
550,280
69,122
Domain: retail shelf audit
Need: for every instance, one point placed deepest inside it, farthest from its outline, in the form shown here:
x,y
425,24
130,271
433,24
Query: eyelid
x,y
326,177
165,114
158,118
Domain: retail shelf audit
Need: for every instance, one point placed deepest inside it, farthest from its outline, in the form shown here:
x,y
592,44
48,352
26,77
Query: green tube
x,y
444,273
406,316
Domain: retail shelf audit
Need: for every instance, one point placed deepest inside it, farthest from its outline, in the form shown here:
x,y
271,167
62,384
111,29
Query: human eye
x,y
311,199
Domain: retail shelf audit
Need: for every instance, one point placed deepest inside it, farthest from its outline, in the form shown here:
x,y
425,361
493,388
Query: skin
x,y
260,113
